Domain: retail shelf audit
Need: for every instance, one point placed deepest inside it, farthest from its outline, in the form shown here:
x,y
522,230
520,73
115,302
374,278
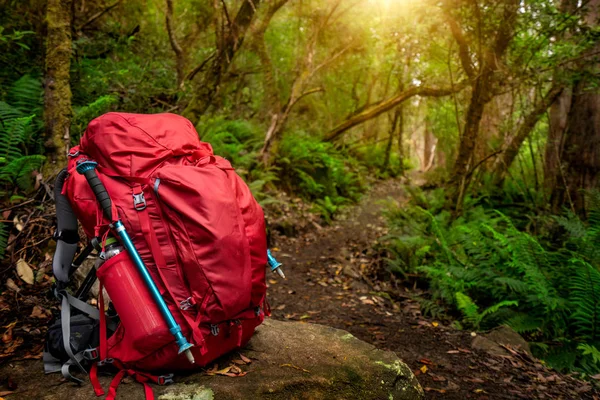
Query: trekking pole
x,y
88,169
274,264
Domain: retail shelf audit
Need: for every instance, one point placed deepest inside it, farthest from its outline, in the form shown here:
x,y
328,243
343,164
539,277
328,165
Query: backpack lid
x,y
126,144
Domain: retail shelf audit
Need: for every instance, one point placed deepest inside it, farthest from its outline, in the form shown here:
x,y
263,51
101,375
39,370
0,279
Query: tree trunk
x,y
483,85
227,47
179,54
57,96
559,112
427,146
390,141
581,152
579,169
400,113
513,147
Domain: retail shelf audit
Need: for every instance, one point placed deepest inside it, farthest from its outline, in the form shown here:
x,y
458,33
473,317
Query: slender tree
x,y
230,35
481,60
57,97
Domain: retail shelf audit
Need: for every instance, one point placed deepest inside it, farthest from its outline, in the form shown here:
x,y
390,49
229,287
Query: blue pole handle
x,y
88,169
274,264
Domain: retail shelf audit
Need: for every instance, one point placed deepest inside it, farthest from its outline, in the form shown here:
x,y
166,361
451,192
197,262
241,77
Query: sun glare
x,y
390,3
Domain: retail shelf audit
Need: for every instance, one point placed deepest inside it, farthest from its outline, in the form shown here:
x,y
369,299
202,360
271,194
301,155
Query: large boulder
x,y
290,360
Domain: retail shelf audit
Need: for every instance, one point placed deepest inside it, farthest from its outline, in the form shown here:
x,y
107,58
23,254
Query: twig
x,y
18,205
99,14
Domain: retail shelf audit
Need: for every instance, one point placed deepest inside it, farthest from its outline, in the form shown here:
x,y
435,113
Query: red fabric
x,y
103,344
94,380
202,238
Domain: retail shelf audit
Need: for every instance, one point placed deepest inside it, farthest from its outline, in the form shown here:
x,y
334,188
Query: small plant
x,y
481,261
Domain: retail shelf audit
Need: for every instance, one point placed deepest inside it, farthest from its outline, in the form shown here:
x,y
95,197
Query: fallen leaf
x,y
232,375
426,361
38,312
280,307
24,271
12,285
597,376
305,316
428,389
218,372
435,324
453,352
245,359
479,391
295,367
423,369
17,223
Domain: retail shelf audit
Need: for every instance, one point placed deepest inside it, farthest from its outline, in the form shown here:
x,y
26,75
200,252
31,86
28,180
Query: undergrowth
x,y
487,268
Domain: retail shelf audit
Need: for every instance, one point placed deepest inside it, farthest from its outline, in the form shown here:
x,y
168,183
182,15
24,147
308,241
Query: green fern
x,y
25,95
585,300
471,312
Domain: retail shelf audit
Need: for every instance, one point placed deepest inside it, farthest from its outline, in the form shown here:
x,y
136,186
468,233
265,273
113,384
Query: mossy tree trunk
x,y
57,96
579,147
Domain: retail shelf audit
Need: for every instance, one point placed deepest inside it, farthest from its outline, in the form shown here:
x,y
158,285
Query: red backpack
x,y
195,225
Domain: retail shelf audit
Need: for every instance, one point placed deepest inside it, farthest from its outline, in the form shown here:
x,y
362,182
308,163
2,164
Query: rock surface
x,y
290,360
493,341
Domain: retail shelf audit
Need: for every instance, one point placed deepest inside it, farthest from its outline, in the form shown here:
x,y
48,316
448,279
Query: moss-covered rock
x,y
290,360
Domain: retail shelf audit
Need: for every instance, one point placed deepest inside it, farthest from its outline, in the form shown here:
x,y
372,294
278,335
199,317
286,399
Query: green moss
x,y
189,392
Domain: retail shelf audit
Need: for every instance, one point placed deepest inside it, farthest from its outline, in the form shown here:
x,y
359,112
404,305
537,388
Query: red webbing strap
x,y
148,391
94,380
161,265
114,384
140,377
266,307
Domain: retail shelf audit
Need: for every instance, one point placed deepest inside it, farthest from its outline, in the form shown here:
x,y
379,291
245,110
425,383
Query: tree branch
x,y
463,47
388,104
179,55
98,15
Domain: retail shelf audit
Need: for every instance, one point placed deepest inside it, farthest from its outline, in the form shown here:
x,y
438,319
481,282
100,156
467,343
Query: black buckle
x,y
165,379
139,201
105,361
67,236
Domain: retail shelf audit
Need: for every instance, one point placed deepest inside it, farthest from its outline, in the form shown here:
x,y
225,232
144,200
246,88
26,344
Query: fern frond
x,y
25,95
585,300
19,171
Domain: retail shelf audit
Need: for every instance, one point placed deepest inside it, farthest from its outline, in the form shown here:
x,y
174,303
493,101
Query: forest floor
x,y
327,283
331,274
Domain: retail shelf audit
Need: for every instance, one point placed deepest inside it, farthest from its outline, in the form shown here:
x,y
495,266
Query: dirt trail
x,y
325,286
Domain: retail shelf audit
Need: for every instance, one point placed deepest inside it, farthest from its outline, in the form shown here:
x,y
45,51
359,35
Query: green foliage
x,y
471,312
83,115
319,172
548,293
315,169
